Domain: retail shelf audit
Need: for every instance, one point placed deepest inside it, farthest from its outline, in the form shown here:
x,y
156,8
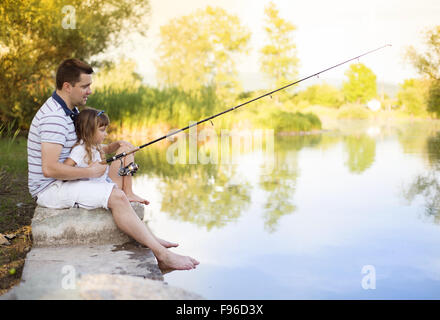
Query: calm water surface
x,y
337,211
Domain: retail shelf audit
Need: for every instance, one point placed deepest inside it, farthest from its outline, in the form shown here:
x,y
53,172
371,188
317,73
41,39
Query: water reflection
x,y
208,198
428,187
427,184
361,151
280,184
212,195
331,205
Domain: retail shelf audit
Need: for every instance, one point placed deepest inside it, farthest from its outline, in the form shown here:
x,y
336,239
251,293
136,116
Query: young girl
x,y
90,127
91,130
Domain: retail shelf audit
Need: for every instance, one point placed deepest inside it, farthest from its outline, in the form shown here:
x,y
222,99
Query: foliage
x,y
285,121
361,84
322,95
353,111
428,64
198,50
137,108
278,58
412,96
13,158
434,97
35,36
119,76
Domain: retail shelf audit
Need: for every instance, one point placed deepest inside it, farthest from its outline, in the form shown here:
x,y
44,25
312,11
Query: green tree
x,y
322,94
119,76
434,97
278,57
35,36
361,84
412,96
428,65
199,49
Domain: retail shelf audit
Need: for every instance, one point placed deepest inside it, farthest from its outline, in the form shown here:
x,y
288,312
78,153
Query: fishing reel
x,y
128,170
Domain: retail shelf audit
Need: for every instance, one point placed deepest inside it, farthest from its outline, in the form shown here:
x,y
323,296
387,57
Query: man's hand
x,y
97,169
50,153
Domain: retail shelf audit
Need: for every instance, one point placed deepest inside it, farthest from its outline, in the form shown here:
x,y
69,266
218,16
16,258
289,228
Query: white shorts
x,y
86,194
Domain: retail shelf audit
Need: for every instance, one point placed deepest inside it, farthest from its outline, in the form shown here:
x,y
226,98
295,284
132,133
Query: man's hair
x,y
70,71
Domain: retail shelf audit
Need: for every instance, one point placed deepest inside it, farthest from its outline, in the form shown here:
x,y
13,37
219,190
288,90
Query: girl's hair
x,y
86,125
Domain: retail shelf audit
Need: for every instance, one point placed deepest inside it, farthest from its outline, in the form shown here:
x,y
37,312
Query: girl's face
x,y
100,134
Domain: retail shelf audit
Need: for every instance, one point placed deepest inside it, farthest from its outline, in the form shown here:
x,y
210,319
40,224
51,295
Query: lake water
x,y
351,213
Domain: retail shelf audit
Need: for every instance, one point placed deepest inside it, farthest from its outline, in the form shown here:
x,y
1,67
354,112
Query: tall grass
x,y
145,109
131,110
8,132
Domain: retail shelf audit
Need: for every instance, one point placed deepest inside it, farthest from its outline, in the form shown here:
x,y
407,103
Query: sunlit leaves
x,y
278,58
412,96
361,84
33,42
199,50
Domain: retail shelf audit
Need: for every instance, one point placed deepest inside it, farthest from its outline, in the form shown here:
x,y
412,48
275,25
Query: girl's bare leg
x,y
125,182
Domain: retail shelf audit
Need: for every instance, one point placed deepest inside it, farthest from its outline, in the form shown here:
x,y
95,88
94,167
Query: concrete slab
x,y
77,226
88,272
81,254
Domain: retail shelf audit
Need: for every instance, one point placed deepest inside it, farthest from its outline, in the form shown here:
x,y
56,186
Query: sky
x,y
328,32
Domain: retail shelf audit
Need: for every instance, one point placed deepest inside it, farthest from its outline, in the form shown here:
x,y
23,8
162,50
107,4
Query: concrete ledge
x,y
81,254
128,271
76,226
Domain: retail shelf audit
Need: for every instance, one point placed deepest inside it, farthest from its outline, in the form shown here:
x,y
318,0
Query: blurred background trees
x,y
35,36
361,84
428,66
199,50
278,58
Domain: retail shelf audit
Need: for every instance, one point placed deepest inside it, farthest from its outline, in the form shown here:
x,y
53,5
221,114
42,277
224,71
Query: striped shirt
x,y
52,124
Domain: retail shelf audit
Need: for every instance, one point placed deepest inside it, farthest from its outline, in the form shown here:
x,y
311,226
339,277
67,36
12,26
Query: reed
x,y
147,112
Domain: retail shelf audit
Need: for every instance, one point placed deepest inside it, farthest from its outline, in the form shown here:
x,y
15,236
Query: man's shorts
x,y
86,194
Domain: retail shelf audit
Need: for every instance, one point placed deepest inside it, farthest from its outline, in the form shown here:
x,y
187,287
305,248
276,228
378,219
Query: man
x,y
52,135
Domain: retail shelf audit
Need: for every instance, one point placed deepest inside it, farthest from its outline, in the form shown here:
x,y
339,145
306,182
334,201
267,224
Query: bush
x,y
284,121
353,111
322,95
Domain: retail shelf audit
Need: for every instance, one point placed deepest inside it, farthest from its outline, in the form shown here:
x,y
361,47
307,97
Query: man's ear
x,y
67,87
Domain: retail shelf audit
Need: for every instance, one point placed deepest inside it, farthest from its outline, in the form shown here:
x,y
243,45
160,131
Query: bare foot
x,y
166,244
172,261
134,198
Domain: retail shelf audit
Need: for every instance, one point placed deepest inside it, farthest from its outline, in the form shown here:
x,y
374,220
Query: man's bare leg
x,y
127,220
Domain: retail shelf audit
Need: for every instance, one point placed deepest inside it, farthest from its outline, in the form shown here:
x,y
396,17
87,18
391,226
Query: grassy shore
x,y
16,210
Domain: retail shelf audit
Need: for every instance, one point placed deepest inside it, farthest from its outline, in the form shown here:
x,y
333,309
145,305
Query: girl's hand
x,y
126,145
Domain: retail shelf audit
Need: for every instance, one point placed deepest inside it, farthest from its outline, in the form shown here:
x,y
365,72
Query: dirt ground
x,y
16,211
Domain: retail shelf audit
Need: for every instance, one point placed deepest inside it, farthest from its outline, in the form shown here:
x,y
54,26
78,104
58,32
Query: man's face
x,y
79,93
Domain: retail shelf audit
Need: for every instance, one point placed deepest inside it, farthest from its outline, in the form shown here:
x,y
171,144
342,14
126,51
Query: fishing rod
x,y
132,167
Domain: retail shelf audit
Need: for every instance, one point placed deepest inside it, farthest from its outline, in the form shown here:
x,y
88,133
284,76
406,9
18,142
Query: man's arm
x,y
52,168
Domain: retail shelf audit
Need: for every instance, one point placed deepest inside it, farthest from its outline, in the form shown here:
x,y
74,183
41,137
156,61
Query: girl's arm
x,y
110,148
69,162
